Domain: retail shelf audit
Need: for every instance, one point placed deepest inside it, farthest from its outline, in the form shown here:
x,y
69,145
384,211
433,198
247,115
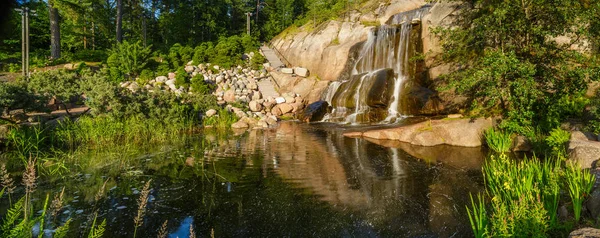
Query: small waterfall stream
x,y
373,92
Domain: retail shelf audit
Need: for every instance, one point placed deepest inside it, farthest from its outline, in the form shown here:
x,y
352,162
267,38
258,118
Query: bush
x,y
257,61
60,84
200,86
145,77
127,60
557,141
182,78
16,96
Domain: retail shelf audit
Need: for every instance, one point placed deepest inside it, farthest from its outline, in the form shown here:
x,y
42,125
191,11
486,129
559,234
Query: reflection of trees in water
x,y
395,191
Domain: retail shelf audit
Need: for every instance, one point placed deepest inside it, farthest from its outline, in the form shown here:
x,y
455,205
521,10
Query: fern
x,y
61,232
19,230
97,231
12,215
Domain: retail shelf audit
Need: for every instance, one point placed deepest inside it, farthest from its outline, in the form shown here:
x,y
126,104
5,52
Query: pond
x,y
296,180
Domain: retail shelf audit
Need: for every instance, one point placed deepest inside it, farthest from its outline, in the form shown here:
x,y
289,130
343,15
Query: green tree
x,y
520,58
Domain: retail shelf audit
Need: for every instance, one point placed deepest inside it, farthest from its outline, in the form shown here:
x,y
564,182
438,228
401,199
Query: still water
x,y
297,180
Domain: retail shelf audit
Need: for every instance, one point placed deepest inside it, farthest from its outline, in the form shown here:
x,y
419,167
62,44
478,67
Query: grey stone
x,y
211,112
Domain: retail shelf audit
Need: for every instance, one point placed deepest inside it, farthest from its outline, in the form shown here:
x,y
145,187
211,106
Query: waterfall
x,y
373,92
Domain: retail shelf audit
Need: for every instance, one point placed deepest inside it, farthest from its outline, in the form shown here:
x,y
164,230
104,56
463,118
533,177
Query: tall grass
x,y
498,141
223,119
478,217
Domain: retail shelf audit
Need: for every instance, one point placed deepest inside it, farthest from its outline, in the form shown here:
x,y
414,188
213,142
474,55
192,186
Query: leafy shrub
x,y
101,93
60,84
16,96
498,141
181,78
127,60
89,55
200,86
557,141
145,77
257,61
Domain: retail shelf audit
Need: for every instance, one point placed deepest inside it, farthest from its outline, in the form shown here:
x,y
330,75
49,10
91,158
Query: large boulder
x,y
456,132
583,149
314,111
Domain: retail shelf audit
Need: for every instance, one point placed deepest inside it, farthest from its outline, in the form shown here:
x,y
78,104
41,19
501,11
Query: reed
x,y
478,217
580,184
7,182
29,178
498,141
57,203
162,233
192,232
142,202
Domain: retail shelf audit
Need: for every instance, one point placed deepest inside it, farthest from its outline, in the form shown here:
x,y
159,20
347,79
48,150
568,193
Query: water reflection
x,y
297,180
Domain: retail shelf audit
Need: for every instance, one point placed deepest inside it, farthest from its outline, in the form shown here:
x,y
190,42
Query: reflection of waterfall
x,y
373,92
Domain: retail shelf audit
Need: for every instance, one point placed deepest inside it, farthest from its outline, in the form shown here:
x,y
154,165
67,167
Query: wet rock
x,y
314,111
382,89
587,232
461,132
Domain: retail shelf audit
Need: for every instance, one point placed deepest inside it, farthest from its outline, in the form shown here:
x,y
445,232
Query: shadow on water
x,y
294,181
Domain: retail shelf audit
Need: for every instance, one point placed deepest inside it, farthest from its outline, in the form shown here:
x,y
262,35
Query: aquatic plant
x,y
27,141
498,141
61,231
478,217
579,183
142,201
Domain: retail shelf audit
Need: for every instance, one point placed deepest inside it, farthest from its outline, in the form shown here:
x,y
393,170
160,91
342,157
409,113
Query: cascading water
x,y
373,92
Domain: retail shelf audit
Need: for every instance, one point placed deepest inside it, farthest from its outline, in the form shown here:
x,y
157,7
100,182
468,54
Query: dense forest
x,y
85,29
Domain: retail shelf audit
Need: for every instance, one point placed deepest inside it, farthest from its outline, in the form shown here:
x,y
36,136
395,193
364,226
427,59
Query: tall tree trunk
x,y
119,21
54,31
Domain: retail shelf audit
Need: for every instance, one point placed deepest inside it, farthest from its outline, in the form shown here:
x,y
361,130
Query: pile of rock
x,y
237,86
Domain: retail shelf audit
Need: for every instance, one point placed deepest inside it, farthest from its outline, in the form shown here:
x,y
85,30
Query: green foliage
x,y
127,60
89,55
580,184
200,86
478,217
223,119
16,96
507,63
498,141
97,231
257,61
557,141
182,78
524,196
61,232
60,84
145,77
27,141
100,92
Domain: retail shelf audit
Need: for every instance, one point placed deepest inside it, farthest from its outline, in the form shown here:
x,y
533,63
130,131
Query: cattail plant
x,y
29,178
162,233
142,202
57,203
7,182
